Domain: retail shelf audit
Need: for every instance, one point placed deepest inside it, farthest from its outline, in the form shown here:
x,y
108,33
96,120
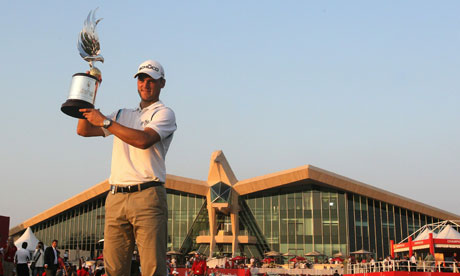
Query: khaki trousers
x,y
141,218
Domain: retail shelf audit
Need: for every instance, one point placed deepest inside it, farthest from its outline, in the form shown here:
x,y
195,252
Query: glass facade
x,y
79,228
373,223
82,227
301,219
298,218
183,208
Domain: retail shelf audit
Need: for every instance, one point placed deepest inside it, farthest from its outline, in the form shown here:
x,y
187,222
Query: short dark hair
x,y
24,245
55,241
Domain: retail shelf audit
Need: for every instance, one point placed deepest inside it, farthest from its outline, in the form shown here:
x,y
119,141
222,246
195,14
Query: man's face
x,y
54,244
149,88
10,241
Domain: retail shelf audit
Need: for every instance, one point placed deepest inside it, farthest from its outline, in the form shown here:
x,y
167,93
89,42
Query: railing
x,y
296,271
393,265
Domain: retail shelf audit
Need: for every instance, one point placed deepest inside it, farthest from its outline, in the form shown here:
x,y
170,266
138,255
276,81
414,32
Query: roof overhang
x,y
178,183
323,177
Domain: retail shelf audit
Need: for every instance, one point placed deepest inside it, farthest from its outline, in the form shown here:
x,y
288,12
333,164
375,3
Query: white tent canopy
x,y
448,233
425,235
28,237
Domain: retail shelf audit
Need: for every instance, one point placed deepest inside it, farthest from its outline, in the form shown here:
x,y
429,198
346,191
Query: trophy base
x,y
71,107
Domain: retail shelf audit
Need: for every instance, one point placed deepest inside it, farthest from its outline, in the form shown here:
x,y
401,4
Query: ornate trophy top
x,y
88,40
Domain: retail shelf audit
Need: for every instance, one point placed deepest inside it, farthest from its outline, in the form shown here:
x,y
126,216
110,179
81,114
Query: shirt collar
x,y
150,107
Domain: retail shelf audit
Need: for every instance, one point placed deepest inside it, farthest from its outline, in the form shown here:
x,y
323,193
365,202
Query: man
x,y
413,263
9,251
136,210
21,258
39,259
199,266
51,259
456,262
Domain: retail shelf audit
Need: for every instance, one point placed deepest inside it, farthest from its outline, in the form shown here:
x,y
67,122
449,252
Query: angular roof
x,y
307,173
220,170
174,182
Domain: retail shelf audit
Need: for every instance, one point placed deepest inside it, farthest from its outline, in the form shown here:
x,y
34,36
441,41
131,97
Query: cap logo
x,y
149,66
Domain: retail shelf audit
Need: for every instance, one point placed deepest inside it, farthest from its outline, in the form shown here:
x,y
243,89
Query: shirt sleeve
x,y
113,117
163,122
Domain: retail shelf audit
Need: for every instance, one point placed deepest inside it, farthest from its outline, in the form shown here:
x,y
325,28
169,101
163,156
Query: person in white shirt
x,y
413,263
39,260
136,210
21,258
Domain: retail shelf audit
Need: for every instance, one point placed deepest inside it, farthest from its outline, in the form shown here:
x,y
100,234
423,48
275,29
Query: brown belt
x,y
134,188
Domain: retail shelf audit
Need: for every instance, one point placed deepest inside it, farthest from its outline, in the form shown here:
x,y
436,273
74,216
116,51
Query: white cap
x,y
151,68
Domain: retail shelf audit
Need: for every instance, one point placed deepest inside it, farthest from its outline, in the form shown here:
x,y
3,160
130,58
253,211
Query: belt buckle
x,y
124,189
113,189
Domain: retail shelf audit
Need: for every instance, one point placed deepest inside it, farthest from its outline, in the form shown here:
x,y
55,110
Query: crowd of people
x,y
450,263
50,262
42,262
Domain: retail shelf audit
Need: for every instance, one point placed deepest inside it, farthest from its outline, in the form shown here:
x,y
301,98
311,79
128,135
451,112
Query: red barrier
x,y
222,271
402,273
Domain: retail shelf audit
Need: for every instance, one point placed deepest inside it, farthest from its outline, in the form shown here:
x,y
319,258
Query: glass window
x,y
398,236
385,229
410,222
378,230
404,223
351,223
358,222
308,226
342,219
372,235
364,223
307,202
275,218
416,221
317,223
391,222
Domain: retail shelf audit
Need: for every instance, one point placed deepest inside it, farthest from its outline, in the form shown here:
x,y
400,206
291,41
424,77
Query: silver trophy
x,y
84,86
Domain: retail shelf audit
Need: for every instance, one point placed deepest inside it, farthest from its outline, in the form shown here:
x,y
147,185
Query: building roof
x,y
177,183
301,175
339,182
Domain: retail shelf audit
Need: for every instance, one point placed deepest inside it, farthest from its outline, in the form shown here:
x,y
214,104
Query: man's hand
x,y
94,116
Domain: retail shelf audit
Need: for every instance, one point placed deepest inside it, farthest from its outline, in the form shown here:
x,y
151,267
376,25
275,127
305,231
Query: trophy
x,y
84,86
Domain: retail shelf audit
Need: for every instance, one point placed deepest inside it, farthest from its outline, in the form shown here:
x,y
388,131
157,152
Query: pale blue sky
x,y
365,89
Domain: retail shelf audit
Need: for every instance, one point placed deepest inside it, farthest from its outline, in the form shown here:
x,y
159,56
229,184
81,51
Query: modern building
x,y
297,211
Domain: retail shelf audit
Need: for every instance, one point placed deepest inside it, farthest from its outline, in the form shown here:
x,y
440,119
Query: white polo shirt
x,y
22,256
131,165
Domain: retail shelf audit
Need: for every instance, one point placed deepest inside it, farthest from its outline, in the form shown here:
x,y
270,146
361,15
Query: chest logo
x,y
145,122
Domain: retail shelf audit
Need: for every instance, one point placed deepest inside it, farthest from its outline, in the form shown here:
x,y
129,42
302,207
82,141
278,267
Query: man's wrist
x,y
106,123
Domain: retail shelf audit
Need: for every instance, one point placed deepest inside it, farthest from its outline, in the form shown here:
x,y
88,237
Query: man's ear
x,y
163,83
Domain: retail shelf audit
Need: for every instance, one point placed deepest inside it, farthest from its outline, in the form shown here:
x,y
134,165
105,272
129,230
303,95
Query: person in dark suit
x,y
51,259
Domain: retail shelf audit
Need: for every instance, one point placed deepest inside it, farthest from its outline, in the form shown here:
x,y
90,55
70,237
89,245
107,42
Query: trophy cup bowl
x,y
83,87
